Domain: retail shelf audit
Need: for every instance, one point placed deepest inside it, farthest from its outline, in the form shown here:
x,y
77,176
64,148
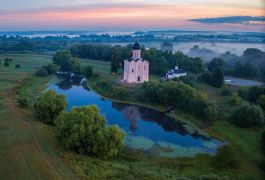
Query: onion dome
x,y
136,46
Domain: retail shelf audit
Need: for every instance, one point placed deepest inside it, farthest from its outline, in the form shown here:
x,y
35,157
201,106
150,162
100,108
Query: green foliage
x,y
116,61
180,96
41,72
121,93
18,66
6,62
75,65
247,70
85,131
51,68
226,91
252,94
247,115
48,106
66,62
225,158
23,102
62,59
87,71
263,142
217,77
213,177
261,102
216,63
235,99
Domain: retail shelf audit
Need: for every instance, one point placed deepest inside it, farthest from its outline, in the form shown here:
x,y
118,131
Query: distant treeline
x,y
160,62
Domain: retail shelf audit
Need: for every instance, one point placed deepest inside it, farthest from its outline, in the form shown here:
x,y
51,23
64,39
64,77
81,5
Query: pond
x,y
146,129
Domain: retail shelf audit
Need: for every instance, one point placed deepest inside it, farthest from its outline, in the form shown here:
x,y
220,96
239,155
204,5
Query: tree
x,y
235,100
18,66
48,106
85,131
218,77
75,65
62,59
51,68
216,63
115,61
261,102
87,71
247,115
6,62
41,72
121,93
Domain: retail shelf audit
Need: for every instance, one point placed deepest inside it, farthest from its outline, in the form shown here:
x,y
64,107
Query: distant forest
x,y
251,64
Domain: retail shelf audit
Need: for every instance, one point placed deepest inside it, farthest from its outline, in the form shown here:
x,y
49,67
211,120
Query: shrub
x,y
121,93
247,115
42,72
51,68
23,102
48,106
261,102
87,71
235,100
96,75
226,91
85,131
225,158
6,63
17,66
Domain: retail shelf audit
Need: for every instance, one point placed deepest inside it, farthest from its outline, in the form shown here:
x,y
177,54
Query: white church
x,y
136,69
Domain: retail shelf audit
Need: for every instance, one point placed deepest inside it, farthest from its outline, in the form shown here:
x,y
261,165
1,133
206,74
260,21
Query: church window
x,y
139,67
132,70
144,67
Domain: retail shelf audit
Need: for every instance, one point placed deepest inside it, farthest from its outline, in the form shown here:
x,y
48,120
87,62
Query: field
x,y
28,149
25,152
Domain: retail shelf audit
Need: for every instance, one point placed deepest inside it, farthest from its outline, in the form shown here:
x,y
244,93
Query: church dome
x,y
136,46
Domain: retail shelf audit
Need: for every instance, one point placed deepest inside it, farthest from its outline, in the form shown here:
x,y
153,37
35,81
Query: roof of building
x,y
175,71
136,46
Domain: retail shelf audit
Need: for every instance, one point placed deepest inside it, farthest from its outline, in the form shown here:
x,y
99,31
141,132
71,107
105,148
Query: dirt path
x,y
21,116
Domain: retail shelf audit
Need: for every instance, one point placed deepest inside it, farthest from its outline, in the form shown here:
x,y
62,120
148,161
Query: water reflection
x,y
145,128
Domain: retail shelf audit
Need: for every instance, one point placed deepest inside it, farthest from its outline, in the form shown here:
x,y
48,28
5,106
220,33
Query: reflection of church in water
x,y
133,114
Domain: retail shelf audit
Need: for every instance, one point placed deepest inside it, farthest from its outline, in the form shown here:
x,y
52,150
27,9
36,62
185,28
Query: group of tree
x,y
7,61
215,74
46,70
66,62
247,70
82,130
160,62
247,115
180,96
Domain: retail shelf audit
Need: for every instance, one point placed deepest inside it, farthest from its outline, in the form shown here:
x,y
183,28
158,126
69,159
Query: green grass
x,y
245,141
21,158
24,150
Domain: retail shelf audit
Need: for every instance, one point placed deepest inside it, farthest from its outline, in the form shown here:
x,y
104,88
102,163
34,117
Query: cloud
x,y
232,20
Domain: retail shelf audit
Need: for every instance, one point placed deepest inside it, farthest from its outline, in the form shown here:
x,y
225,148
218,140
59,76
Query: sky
x,y
25,15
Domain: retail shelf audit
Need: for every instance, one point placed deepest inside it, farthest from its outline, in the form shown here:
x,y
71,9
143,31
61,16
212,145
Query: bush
x,y
247,115
121,93
17,66
261,102
96,75
225,158
23,102
6,63
51,68
87,71
235,99
226,91
85,131
213,177
42,72
48,106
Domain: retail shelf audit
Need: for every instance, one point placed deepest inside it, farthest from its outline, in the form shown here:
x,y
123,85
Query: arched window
x,y
132,70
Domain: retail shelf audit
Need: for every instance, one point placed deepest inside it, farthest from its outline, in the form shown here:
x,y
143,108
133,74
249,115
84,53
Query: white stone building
x,y
175,73
136,69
